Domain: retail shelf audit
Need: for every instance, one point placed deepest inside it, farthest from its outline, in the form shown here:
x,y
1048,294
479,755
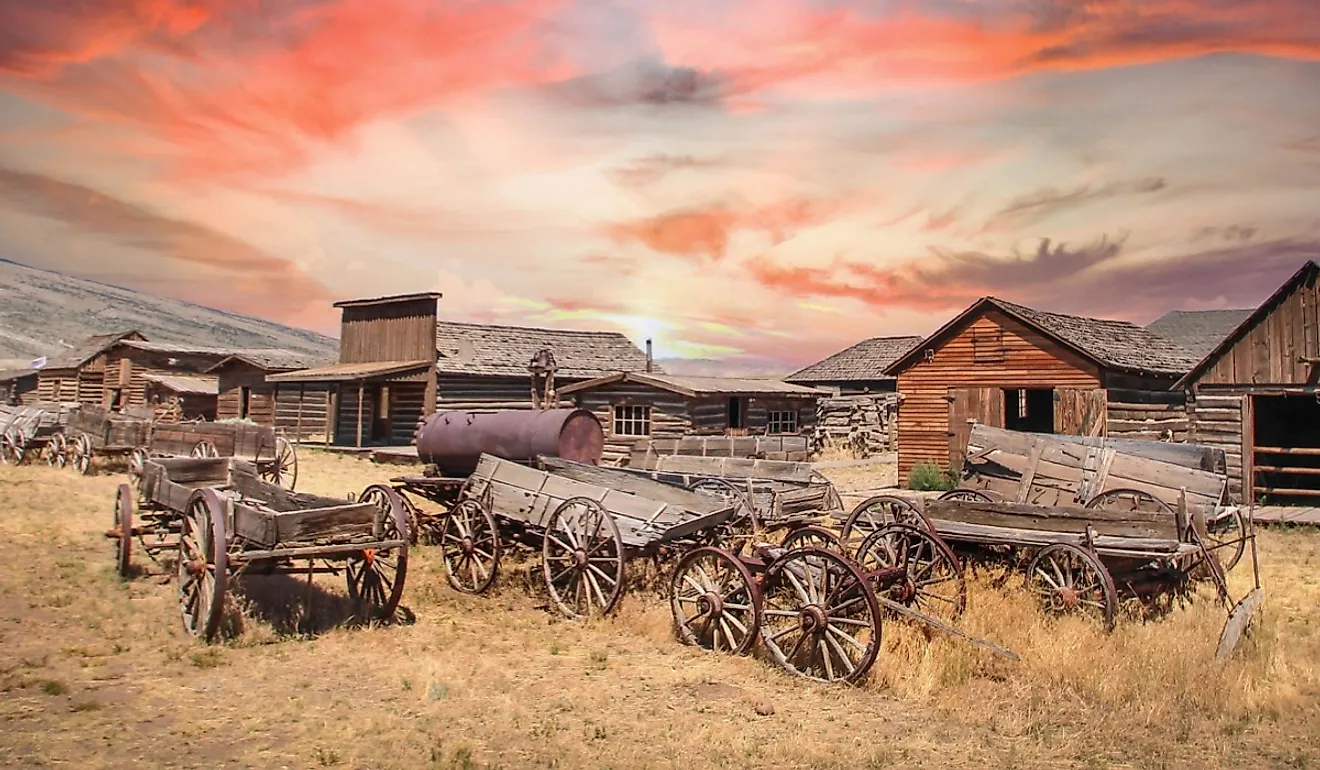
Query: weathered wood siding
x,y
234,377
406,401
398,331
1272,349
301,410
469,393
1148,415
58,385
1028,360
710,414
126,368
1215,420
671,416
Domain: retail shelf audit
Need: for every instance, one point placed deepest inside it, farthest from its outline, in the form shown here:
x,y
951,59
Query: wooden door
x,y
1080,411
983,405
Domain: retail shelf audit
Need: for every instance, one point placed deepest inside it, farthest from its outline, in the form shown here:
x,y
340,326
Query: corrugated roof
x,y
345,372
196,386
88,349
275,360
487,349
865,361
698,386
1198,331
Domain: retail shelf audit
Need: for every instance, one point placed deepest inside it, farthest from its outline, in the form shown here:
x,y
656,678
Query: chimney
x,y
648,354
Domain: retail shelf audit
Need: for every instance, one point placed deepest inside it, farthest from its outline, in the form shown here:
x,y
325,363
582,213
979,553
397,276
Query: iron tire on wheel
x,y
56,451
1128,500
137,464
282,469
1228,535
7,449
726,600
812,536
205,449
82,454
124,526
966,495
582,557
470,546
926,560
375,592
1057,571
203,570
875,512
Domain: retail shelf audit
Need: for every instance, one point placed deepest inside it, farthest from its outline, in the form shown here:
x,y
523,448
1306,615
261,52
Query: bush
x,y
927,477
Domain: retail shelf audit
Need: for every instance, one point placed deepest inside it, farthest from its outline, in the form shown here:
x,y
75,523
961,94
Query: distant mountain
x,y
712,367
43,313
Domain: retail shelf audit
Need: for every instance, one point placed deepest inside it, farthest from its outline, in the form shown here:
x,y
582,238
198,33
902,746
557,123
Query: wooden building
x,y
78,374
18,387
638,405
857,369
398,362
1198,331
244,393
1010,366
1256,395
181,397
133,369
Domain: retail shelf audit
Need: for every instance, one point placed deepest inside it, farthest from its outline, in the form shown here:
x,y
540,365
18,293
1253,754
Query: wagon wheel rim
x,y
812,536
470,546
715,602
282,469
414,519
876,512
82,459
932,580
1130,500
203,572
966,495
375,578
582,559
6,444
205,449
137,463
53,450
746,520
820,616
1068,580
124,527
1227,535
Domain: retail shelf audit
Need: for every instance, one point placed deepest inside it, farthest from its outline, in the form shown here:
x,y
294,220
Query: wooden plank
x,y
1029,476
957,531
1137,524
1248,449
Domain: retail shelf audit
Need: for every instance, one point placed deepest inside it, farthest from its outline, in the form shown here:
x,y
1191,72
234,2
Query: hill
x,y
44,312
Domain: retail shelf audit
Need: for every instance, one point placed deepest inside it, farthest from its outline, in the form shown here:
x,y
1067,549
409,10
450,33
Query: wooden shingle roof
x,y
490,350
1198,331
274,360
90,348
865,361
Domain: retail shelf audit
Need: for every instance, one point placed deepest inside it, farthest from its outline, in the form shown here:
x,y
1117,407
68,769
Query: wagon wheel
x,y
281,470
203,564
914,568
82,454
820,617
137,465
966,495
745,520
8,449
1128,500
1067,579
582,558
205,448
470,544
715,602
57,451
375,578
1227,535
875,512
812,536
123,526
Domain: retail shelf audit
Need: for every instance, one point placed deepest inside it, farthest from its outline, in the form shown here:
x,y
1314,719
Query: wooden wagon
x,y
223,520
95,432
776,488
26,431
275,457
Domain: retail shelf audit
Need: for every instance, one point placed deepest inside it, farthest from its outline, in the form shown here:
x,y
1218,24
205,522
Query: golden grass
x,y
98,672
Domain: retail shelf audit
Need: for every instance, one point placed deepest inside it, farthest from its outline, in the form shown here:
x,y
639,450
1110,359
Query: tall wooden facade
x,y
1010,366
1256,395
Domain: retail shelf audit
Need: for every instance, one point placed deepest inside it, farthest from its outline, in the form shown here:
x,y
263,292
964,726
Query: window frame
x,y
626,419
775,417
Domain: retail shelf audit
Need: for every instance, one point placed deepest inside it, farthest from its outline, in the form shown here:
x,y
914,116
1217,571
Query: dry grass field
x,y
96,672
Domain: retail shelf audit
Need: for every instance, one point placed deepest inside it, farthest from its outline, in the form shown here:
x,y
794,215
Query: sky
x,y
759,181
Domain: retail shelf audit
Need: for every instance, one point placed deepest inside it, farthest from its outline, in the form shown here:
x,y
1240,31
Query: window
x,y
781,422
632,420
988,346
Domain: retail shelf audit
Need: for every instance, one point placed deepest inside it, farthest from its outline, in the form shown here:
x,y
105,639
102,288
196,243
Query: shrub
x,y
927,477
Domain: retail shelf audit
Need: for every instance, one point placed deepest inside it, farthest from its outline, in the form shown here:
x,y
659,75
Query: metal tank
x,y
454,441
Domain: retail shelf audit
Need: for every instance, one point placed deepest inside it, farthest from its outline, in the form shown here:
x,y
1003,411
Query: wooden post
x,y
332,412
362,387
1248,451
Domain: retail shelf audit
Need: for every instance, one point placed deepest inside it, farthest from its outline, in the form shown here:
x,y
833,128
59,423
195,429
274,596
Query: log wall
x,y
863,425
470,393
236,376
1215,420
671,416
1149,415
301,411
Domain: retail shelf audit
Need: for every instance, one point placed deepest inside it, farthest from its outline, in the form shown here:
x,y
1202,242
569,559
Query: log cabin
x,y
244,393
399,362
78,374
18,387
176,397
856,369
1256,395
633,406
1010,366
134,370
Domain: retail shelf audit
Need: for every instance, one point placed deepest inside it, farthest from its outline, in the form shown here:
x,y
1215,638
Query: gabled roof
x,y
865,361
1197,331
699,386
1115,345
1308,272
490,350
389,300
90,348
195,386
178,348
273,360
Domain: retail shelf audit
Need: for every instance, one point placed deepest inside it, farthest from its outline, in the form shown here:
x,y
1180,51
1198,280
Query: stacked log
x,y
1152,422
863,425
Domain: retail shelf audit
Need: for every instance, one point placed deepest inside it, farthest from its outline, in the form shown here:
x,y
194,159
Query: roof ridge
x,y
598,332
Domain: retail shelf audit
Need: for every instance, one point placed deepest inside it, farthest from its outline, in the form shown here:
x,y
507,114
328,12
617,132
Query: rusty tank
x,y
455,441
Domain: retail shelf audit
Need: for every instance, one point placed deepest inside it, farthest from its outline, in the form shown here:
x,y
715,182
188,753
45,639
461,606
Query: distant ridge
x,y
44,312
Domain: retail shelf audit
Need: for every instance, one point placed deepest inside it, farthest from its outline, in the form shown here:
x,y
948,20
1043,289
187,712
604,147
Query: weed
x,y
208,658
927,477
52,687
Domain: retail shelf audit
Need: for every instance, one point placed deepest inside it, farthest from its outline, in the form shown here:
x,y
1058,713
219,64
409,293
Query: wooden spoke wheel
x,y
375,578
967,495
203,568
470,544
57,451
282,470
82,454
1226,534
11,452
746,516
414,519
582,557
820,618
1128,500
715,602
875,512
1068,580
205,448
137,465
912,567
812,536
123,527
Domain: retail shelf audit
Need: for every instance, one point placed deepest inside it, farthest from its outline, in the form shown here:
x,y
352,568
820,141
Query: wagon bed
x,y
777,488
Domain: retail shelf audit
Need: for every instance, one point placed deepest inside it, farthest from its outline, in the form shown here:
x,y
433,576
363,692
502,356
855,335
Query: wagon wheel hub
x,y
903,591
1068,597
467,546
711,604
196,567
580,558
812,620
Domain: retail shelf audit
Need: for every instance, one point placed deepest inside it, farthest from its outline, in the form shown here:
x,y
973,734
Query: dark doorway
x,y
1029,410
380,426
1289,423
244,400
737,413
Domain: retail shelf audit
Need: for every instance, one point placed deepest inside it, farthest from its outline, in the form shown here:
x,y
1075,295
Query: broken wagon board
x,y
1147,525
775,447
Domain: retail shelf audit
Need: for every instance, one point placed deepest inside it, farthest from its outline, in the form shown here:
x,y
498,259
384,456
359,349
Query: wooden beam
x,y
1304,451
1248,449
362,388
1285,491
1283,469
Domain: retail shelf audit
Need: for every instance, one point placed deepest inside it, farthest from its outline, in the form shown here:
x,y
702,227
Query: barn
x,y
1256,395
856,369
244,394
638,405
78,375
1011,366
